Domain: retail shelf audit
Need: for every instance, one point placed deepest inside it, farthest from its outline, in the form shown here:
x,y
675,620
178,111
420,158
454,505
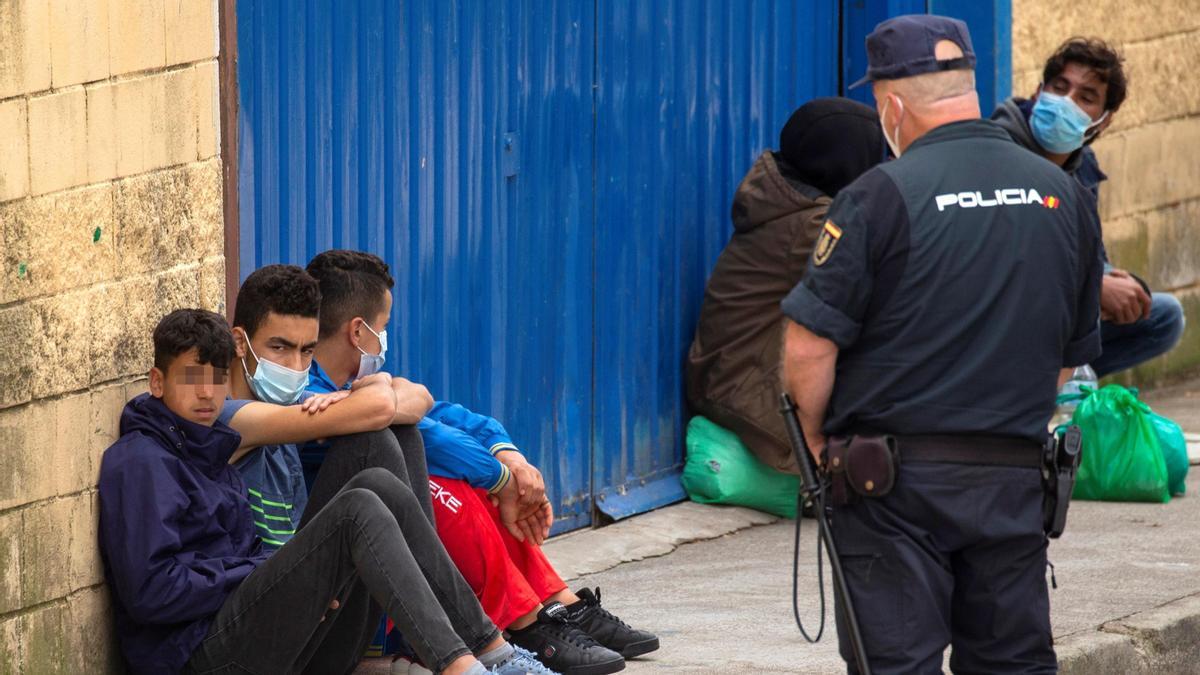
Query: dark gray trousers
x,y
954,555
372,534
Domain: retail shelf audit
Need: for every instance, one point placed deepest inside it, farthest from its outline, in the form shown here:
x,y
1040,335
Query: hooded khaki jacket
x,y
734,367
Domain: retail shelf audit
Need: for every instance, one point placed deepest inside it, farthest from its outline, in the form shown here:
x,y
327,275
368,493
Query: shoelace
x,y
595,604
571,632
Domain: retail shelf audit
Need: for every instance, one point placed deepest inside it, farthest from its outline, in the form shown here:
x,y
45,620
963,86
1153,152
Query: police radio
x,y
812,490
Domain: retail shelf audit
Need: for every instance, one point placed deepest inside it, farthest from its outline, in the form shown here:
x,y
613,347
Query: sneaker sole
x,y
596,668
638,648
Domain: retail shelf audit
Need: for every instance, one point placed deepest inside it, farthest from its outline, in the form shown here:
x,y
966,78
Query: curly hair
x,y
184,329
1097,55
353,283
282,289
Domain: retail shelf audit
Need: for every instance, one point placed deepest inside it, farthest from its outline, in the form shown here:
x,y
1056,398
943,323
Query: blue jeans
x,y
1125,346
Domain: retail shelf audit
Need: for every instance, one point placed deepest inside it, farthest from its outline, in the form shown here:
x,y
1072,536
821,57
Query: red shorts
x,y
509,577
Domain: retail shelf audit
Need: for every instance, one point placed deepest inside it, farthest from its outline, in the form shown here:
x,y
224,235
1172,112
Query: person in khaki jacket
x,y
734,361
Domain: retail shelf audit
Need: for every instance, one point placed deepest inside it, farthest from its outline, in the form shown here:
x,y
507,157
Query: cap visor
x,y
866,79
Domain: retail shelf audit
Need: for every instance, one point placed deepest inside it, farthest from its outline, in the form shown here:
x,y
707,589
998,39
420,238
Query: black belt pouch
x,y
861,466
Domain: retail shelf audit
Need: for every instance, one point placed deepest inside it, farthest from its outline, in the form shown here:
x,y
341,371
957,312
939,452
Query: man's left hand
x,y
318,402
816,446
530,485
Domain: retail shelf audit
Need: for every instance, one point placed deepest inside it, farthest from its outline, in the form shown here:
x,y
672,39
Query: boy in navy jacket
x,y
193,590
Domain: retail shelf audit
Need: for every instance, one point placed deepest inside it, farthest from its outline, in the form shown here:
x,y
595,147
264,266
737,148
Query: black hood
x,y
830,142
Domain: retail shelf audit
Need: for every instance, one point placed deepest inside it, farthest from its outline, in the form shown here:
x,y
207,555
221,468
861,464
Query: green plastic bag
x,y
1122,459
720,470
1174,450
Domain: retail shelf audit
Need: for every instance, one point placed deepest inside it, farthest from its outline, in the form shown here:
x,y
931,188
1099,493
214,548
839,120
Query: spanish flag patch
x,y
826,242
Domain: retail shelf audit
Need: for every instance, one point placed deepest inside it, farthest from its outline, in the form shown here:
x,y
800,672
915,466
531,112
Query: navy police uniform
x,y
956,282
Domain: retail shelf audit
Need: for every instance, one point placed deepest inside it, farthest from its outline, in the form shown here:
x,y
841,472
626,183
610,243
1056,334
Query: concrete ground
x,y
715,582
723,605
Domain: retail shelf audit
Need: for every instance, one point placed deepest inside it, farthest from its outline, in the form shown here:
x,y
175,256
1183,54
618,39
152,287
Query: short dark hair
x,y
283,289
184,329
1098,55
353,284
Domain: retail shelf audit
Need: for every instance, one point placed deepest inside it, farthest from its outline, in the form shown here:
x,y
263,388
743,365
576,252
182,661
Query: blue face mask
x,y
274,383
369,364
1059,125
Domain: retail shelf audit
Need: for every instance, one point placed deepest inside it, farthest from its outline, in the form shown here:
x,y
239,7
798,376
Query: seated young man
x,y
490,505
1083,86
733,368
275,330
193,589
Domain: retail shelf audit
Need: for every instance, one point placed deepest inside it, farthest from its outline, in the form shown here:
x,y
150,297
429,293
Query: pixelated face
x,y
284,339
195,391
1082,85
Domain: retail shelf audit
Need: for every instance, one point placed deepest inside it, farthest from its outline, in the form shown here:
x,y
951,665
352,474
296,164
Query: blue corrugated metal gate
x,y
550,181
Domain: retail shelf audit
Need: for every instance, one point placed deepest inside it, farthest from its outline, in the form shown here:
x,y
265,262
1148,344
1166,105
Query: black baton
x,y
812,489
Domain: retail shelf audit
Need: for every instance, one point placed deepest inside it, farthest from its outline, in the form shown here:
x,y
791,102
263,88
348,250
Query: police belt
x,y
970,449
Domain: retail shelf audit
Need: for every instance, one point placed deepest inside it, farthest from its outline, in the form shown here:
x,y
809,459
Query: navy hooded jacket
x,y
176,532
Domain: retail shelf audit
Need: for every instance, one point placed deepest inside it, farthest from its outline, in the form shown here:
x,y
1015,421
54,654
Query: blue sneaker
x,y
522,662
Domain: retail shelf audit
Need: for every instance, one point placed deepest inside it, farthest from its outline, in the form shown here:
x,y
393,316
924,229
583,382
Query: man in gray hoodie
x,y
1083,86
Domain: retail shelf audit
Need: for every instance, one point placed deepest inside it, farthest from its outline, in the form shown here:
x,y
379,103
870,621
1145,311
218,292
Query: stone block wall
x,y
110,216
1150,206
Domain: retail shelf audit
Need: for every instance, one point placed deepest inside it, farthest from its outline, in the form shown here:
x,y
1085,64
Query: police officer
x,y
945,292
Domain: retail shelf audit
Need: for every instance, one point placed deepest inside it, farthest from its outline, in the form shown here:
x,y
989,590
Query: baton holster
x,y
1060,463
861,466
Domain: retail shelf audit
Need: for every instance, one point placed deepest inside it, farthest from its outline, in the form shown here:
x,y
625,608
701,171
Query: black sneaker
x,y
562,646
607,629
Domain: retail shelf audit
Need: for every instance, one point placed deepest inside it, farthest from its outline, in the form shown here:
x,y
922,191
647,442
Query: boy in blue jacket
x,y
193,590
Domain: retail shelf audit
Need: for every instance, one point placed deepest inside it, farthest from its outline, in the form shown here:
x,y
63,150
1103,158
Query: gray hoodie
x,y
1013,115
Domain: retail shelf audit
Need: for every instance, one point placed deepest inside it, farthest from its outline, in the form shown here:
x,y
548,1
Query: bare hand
x,y
530,485
521,521
318,402
816,446
333,605
1122,298
412,400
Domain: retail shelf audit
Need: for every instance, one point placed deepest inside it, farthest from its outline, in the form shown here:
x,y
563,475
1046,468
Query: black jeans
x,y
399,449
954,555
401,452
372,533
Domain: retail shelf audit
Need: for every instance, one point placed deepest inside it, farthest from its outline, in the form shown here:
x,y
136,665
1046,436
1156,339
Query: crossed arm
x,y
372,403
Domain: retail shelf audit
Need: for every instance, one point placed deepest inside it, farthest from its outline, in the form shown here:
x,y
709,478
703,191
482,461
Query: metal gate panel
x,y
688,93
454,139
990,23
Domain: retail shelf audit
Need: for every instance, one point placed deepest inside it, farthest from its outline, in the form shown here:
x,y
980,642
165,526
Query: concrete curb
x,y
646,536
1165,639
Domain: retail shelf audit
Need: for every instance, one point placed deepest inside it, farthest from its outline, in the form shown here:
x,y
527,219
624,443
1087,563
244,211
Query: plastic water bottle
x,y
1083,376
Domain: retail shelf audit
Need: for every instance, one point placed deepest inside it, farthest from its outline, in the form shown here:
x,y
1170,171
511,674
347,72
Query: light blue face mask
x,y
1059,125
369,364
274,383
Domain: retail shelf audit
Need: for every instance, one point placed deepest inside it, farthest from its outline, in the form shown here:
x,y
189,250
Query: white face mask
x,y
272,382
894,145
369,364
